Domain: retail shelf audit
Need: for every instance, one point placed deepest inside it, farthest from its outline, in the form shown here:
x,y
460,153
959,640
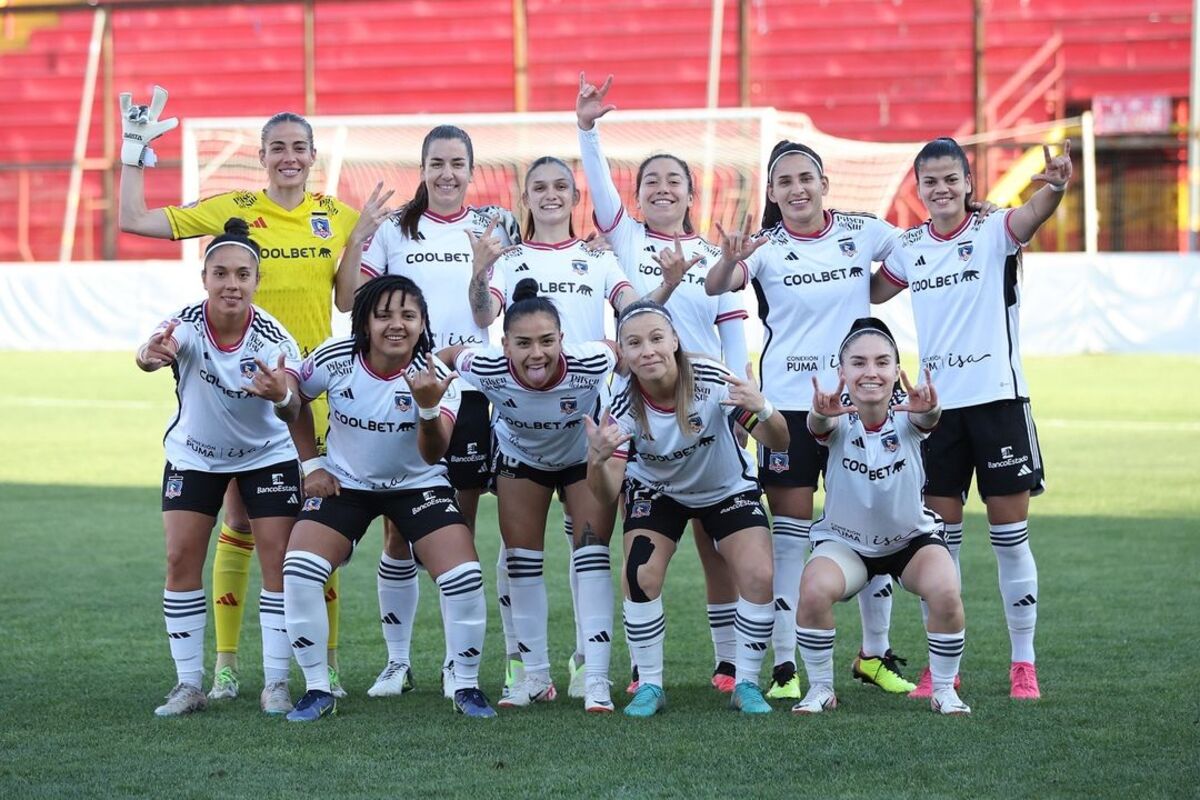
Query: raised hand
x,y
921,398
162,348
1057,170
982,207
597,242
603,438
486,247
141,125
674,264
589,105
320,483
829,404
738,245
426,387
744,393
269,384
373,213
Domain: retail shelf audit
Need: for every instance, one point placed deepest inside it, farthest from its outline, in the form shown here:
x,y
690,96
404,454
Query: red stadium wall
x,y
897,70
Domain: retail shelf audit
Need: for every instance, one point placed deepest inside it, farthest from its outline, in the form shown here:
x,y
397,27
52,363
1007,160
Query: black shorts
x,y
415,513
801,464
895,563
271,491
647,509
470,452
997,442
509,467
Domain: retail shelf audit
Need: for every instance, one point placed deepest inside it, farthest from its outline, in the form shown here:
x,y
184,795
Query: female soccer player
x,y
709,325
874,522
811,269
541,390
963,271
392,415
686,464
301,235
223,435
431,240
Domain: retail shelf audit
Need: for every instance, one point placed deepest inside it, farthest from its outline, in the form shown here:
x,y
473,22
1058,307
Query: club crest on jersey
x,y
964,251
890,442
568,405
640,508
174,487
847,247
248,367
695,424
778,462
580,266
320,226
403,401
312,504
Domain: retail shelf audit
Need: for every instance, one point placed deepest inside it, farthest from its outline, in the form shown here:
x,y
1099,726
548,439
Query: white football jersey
x,y
696,468
810,289
219,426
576,279
873,486
542,428
439,262
694,312
966,301
372,441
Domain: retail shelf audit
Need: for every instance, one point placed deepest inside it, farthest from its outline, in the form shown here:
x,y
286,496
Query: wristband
x,y
767,411
312,465
1059,189
287,398
429,413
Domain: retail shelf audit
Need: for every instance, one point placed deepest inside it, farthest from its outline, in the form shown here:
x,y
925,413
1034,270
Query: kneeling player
x,y
391,415
874,521
686,464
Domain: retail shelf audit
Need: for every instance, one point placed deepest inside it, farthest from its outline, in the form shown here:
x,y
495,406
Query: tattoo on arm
x,y
481,298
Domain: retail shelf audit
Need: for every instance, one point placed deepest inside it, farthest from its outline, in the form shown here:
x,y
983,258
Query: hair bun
x,y
526,289
237,226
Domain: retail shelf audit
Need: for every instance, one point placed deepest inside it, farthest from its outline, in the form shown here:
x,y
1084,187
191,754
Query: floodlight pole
x,y
980,93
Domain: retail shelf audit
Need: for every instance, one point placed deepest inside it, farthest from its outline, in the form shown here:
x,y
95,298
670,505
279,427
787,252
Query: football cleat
x,y
335,684
597,698
748,699
314,705
1023,678
634,683
275,698
532,688
924,689
723,677
473,703
576,687
225,685
785,683
647,702
183,699
820,698
882,671
946,701
448,680
395,680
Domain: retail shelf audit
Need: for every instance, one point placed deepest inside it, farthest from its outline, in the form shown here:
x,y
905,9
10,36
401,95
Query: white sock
x,y
720,625
448,658
954,545
399,591
816,649
754,623
186,617
790,542
1018,585
277,647
304,576
580,639
875,605
945,654
595,610
645,629
527,588
466,620
504,599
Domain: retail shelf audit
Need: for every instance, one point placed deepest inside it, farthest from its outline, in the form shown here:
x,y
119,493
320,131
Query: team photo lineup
x,y
294,441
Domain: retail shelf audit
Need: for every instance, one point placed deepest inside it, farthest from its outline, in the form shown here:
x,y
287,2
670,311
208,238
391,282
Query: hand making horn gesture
x,y
589,105
426,387
486,247
674,264
738,245
1057,170
744,393
373,213
604,437
162,348
921,398
140,125
829,404
269,384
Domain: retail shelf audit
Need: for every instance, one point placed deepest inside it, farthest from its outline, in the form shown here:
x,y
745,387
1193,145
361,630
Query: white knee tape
x,y
851,564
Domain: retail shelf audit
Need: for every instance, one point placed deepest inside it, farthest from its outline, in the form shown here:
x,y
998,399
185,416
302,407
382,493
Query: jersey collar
x,y
212,337
455,217
563,245
670,237
804,237
952,235
388,378
650,402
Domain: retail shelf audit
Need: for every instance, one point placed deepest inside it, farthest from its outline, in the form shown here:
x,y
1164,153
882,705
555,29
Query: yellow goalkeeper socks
x,y
333,604
231,577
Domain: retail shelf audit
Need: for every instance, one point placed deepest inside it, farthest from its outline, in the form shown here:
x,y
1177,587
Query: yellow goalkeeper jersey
x,y
300,251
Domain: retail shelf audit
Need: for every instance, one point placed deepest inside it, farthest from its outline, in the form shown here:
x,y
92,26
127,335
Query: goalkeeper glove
x,y
140,125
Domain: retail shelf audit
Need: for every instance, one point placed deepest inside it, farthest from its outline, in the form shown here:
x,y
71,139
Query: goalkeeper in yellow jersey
x,y
301,236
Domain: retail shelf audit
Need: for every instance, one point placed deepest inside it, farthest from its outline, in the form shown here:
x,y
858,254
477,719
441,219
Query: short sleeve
x,y
752,263
614,278
453,397
884,239
828,439
375,251
184,334
497,284
1011,243
314,378
730,306
463,364
205,218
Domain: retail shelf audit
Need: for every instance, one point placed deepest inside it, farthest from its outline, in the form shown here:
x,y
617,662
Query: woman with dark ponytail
x,y
227,356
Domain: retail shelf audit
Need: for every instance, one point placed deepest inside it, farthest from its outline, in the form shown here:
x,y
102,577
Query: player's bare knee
x,y
756,582
945,603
